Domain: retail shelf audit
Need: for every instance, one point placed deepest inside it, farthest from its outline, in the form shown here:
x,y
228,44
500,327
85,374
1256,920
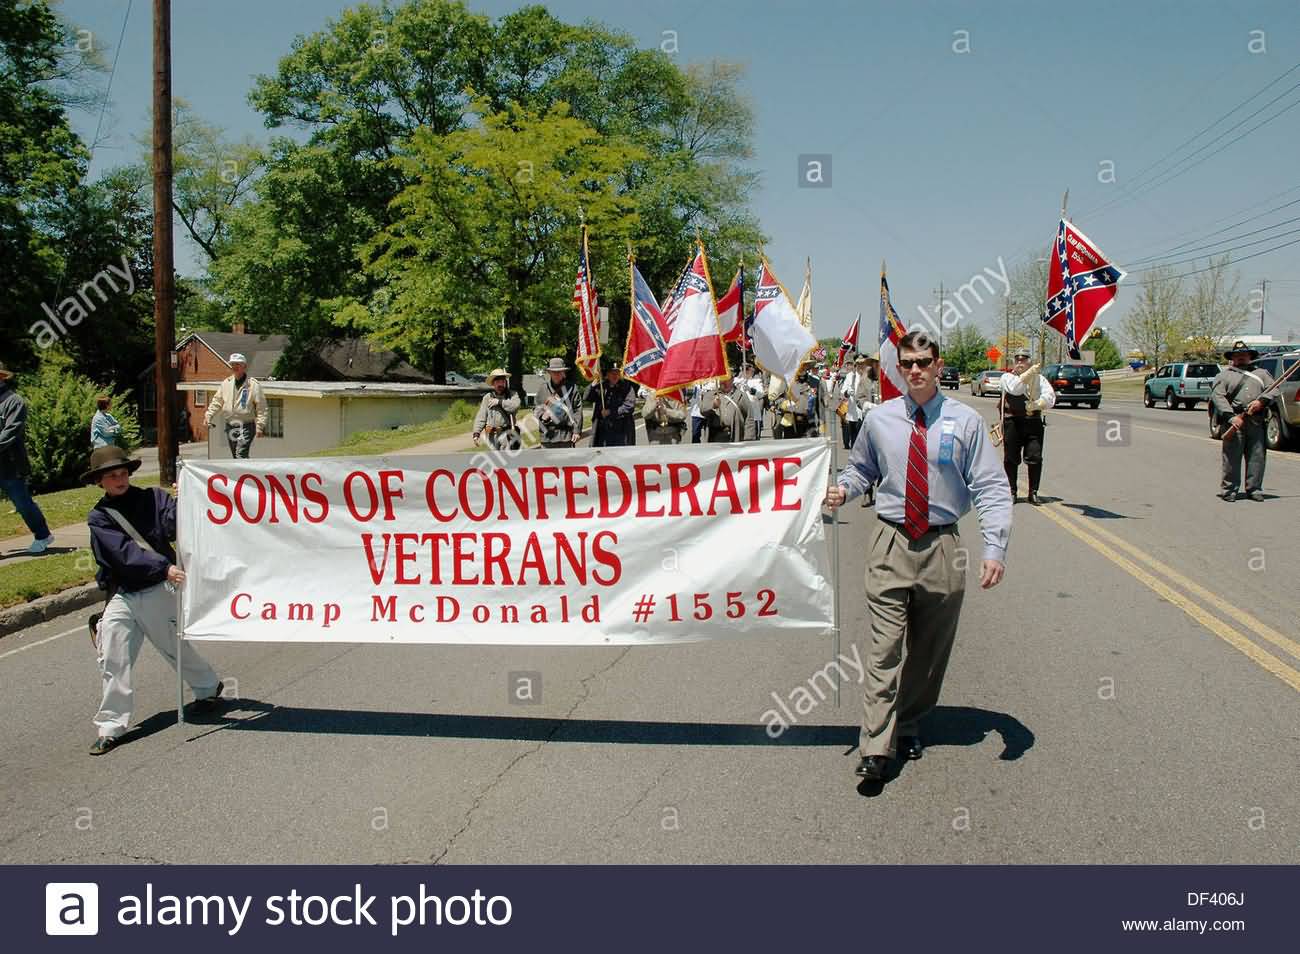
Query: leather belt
x,y
942,528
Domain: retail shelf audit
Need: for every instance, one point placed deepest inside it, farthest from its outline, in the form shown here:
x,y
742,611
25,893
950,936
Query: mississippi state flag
x,y
731,311
780,342
849,343
892,383
647,335
695,350
1081,284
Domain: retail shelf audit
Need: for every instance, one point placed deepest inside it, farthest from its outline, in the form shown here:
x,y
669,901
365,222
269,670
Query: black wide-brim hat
x,y
104,459
1239,348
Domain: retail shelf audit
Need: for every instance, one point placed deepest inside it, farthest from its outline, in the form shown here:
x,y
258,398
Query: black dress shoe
x,y
1033,497
872,767
910,747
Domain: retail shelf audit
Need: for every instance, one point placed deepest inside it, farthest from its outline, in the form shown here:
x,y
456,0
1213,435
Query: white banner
x,y
583,547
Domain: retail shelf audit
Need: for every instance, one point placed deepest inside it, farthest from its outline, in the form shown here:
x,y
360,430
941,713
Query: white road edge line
x,y
41,642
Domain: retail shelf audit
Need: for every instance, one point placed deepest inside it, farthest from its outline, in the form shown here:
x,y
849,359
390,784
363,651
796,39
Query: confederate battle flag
x,y
1081,284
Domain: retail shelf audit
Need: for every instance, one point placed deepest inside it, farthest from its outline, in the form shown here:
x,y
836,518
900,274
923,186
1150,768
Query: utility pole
x,y
1006,312
1263,296
939,322
164,287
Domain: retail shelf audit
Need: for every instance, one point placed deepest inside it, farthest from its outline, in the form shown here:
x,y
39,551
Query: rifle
x,y
1231,432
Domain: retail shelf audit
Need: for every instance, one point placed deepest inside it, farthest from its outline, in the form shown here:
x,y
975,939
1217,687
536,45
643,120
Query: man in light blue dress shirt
x,y
928,468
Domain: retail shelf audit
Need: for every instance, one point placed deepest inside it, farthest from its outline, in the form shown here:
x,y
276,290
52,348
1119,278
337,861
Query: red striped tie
x,y
916,507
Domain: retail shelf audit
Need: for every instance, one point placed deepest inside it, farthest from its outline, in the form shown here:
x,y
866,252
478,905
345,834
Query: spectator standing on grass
x,y
104,428
15,467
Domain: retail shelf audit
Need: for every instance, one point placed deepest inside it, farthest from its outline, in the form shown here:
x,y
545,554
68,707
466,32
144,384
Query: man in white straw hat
x,y
496,413
240,396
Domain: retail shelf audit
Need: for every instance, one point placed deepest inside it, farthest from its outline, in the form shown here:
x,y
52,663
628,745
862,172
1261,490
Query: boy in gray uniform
x,y
1238,400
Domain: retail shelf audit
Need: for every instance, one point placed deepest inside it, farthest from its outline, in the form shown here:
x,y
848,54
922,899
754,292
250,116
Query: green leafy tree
x,y
965,349
41,162
365,85
491,222
1106,356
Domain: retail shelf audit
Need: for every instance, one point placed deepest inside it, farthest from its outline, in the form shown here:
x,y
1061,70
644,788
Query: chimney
x,y
237,327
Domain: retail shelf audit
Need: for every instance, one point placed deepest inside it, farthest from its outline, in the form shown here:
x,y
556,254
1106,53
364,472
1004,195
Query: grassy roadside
x,y
370,443
1122,387
62,508
23,582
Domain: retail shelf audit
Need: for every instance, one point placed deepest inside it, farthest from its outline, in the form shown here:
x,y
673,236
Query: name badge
x,y
946,441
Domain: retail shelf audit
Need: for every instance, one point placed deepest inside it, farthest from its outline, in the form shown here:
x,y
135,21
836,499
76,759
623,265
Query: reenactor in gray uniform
x,y
1238,399
558,408
496,414
665,419
725,414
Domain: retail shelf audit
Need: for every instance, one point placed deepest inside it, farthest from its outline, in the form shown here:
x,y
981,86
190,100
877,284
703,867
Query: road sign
x,y
993,354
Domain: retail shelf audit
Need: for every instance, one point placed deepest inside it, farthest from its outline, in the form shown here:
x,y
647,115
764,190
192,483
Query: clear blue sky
x,y
942,161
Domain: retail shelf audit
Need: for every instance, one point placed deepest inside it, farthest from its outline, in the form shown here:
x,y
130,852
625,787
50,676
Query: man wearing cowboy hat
x,y
240,396
496,413
131,529
558,408
1238,400
1026,394
15,467
614,399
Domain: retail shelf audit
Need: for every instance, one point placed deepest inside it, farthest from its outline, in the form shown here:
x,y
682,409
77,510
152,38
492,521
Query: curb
x,y
48,607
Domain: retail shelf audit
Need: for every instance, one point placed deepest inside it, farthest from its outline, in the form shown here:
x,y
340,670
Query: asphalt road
x,y
1131,693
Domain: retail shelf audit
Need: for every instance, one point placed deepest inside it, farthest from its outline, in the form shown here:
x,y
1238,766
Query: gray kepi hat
x,y
557,364
104,459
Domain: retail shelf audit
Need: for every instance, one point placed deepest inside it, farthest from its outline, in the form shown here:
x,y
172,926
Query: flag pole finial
x,y
630,256
1065,201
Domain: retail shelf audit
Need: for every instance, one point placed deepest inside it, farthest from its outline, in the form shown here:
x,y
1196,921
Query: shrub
x,y
60,404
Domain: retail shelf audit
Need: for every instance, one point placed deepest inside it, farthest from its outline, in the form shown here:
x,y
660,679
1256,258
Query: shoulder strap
x,y
130,530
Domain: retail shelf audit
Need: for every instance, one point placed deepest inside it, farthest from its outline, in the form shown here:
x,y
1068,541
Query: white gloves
x,y
1028,373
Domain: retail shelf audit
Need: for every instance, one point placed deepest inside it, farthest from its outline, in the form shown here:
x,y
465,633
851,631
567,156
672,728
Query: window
x,y
200,398
275,417
1202,370
1163,372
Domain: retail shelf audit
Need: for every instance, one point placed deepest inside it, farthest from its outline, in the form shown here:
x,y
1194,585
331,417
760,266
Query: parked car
x,y
985,383
950,378
1182,384
1074,384
1283,424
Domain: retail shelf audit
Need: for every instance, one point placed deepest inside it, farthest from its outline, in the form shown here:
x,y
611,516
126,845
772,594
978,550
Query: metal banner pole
x,y
835,559
180,609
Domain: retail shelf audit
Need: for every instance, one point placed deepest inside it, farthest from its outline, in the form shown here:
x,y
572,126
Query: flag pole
x,y
1065,200
835,560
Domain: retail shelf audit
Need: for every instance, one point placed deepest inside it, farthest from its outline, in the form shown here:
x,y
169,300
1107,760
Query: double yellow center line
x,y
1118,551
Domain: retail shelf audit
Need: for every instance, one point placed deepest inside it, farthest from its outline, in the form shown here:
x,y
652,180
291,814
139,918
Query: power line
x,y
1169,174
1238,261
1143,172
103,108
1173,251
1226,228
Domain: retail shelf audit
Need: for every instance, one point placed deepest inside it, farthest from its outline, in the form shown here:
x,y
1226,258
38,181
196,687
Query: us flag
x,y
1081,284
584,299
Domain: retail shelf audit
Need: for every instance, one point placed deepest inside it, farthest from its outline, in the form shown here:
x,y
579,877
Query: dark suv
x,y
950,378
1074,384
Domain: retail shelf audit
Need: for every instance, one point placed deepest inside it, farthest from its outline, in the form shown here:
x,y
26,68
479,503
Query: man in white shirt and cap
x,y
1026,394
240,397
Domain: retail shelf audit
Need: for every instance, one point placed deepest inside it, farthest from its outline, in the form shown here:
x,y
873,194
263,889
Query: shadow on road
x,y
962,725
1088,510
947,725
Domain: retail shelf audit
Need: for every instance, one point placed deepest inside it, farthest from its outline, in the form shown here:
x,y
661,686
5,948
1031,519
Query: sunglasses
x,y
907,363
